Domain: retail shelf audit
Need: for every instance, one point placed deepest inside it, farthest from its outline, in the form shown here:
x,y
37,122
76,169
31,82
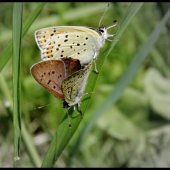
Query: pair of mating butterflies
x,y
67,53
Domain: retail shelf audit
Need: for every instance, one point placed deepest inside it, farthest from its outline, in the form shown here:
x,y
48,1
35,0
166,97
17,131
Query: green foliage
x,y
128,128
17,31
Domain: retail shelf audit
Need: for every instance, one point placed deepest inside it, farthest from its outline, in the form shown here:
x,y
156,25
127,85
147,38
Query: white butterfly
x,y
77,42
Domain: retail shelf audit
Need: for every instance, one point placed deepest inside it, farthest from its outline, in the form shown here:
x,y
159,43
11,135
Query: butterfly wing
x,y
73,86
50,75
71,65
68,41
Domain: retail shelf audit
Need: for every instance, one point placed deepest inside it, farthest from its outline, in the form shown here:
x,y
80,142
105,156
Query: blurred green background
x,y
135,132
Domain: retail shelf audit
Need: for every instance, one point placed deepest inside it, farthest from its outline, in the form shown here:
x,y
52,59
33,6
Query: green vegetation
x,y
125,124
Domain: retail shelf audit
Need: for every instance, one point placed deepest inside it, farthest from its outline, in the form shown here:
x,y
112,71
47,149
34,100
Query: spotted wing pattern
x,y
67,41
73,86
50,74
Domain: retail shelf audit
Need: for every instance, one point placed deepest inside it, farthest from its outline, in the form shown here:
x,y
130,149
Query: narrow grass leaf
x,y
124,80
17,31
27,139
7,52
30,146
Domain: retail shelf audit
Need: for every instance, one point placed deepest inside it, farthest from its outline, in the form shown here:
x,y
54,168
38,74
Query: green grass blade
x,y
7,52
31,149
124,80
5,55
17,34
27,139
32,17
64,134
17,31
131,12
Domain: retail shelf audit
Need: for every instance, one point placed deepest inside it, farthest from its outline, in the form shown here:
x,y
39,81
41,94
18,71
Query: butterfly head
x,y
103,31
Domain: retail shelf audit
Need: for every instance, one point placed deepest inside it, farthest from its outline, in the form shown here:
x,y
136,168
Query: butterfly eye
x,y
101,30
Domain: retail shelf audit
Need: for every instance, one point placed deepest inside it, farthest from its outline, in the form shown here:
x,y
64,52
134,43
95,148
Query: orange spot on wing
x,y
59,32
47,37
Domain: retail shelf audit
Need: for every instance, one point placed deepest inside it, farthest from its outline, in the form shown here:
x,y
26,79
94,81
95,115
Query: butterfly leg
x,y
89,93
69,123
111,35
112,40
75,110
95,65
80,110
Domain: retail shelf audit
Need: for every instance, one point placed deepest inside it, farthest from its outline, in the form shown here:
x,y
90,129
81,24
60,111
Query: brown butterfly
x,y
63,78
50,74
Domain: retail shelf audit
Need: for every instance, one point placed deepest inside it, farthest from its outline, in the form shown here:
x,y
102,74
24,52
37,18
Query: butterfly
x,y
78,42
73,87
64,78
51,73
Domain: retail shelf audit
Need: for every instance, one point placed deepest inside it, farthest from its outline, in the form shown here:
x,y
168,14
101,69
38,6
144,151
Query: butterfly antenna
x,y
115,21
111,23
45,106
104,13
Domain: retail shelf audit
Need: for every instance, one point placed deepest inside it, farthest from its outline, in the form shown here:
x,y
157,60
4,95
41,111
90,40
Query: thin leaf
x,y
31,149
7,52
27,139
16,76
17,30
64,134
124,81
